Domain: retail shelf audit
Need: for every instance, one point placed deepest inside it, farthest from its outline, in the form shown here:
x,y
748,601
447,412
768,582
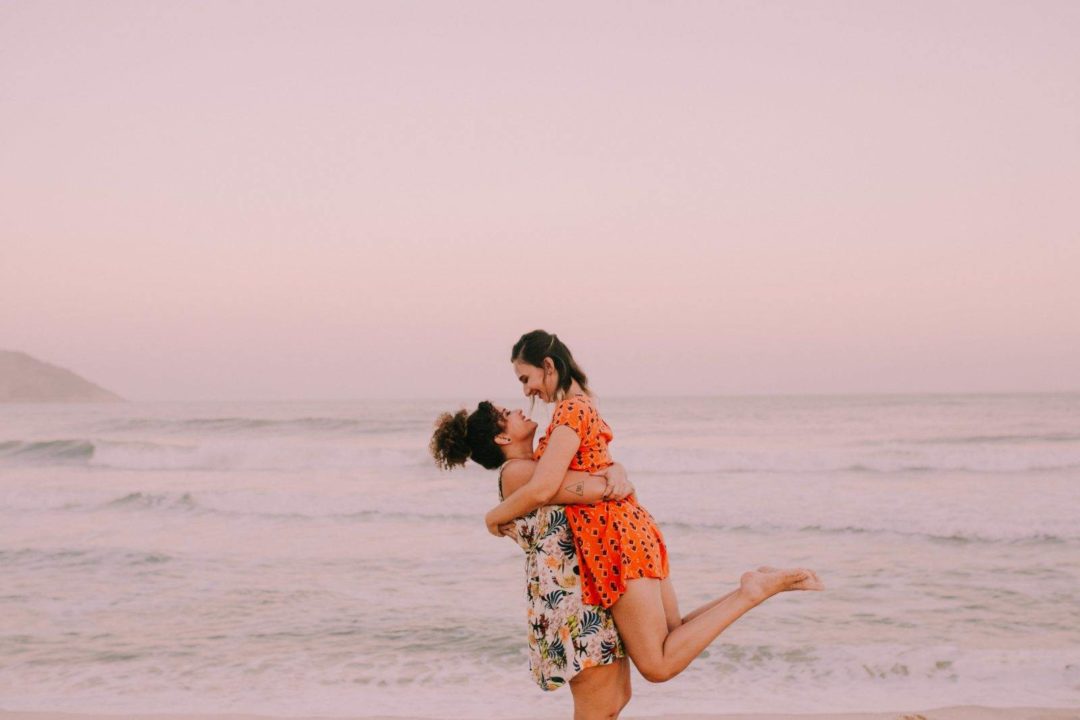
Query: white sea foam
x,y
208,454
220,451
938,507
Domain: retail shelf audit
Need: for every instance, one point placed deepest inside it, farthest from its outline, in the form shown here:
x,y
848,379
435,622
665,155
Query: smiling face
x,y
515,426
538,382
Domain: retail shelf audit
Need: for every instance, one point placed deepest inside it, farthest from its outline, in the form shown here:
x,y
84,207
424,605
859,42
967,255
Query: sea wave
x,y
75,557
480,671
45,451
148,501
359,508
831,460
313,426
1004,439
1000,535
290,454
211,455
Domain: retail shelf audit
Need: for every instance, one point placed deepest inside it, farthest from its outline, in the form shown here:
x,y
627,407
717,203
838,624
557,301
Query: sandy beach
x,y
961,712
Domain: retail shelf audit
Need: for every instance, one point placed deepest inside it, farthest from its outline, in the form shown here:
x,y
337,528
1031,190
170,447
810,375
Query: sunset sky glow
x,y
270,200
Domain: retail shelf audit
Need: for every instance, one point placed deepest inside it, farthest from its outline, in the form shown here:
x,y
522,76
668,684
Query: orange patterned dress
x,y
616,540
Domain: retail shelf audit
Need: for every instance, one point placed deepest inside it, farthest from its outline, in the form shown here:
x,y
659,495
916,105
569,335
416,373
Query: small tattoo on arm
x,y
577,488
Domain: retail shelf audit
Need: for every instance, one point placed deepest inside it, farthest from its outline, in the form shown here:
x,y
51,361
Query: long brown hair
x,y
534,346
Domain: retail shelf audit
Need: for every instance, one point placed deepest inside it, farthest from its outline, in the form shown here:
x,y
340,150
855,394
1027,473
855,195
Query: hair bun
x,y
449,445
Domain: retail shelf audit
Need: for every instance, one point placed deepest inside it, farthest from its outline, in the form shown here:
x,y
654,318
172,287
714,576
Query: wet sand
x,y
963,712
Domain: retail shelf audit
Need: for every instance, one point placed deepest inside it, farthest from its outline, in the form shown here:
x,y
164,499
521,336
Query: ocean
x,y
308,558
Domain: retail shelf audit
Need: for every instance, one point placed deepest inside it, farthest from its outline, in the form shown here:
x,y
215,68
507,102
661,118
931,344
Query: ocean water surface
x,y
308,558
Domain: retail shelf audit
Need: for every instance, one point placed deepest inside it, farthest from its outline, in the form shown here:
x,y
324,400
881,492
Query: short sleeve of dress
x,y
574,414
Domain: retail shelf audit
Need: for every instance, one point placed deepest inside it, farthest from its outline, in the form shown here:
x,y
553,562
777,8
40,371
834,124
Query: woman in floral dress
x,y
569,641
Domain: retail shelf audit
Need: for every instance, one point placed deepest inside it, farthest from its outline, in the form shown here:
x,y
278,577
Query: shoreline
x,y
955,712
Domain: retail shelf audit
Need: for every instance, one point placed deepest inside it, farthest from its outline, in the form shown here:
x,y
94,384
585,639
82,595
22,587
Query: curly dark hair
x,y
461,436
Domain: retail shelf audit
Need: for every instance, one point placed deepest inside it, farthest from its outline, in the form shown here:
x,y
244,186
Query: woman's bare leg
x,y
601,692
671,602
661,653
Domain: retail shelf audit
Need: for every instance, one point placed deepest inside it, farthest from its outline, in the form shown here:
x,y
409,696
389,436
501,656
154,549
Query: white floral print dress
x,y
565,636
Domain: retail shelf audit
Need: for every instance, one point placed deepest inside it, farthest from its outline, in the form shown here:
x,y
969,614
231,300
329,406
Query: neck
x,y
574,389
518,450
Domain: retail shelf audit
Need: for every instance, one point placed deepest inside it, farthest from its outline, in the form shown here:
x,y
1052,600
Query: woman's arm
x,y
545,483
578,488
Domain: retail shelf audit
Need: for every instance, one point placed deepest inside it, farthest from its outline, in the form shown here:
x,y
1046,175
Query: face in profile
x,y
535,382
515,425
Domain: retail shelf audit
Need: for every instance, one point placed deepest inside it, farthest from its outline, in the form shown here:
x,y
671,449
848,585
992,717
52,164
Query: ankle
x,y
751,596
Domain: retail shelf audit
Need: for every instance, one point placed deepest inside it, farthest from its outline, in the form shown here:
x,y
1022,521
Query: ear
x,y
502,439
549,366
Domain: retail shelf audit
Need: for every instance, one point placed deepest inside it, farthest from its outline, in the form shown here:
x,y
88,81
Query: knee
x,y
618,701
656,673
612,713
602,710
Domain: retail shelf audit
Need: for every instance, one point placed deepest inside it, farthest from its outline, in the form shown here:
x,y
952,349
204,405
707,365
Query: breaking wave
x,y
223,455
245,425
285,453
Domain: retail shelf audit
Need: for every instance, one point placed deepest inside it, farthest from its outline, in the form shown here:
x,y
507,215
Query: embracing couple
x,y
597,577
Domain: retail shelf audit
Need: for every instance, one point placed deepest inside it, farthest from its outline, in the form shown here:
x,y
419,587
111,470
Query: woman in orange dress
x,y
623,558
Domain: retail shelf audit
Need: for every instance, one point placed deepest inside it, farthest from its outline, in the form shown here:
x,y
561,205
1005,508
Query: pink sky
x,y
340,200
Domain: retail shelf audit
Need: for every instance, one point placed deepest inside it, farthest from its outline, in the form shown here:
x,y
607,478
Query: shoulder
x,y
573,410
574,401
514,474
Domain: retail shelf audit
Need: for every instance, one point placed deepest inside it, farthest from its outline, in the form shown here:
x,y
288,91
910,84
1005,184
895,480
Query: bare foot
x,y
758,586
811,583
761,584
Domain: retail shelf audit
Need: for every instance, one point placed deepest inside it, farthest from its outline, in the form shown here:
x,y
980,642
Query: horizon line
x,y
637,396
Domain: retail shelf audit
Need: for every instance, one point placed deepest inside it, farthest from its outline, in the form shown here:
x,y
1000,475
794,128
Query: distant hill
x,y
26,379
